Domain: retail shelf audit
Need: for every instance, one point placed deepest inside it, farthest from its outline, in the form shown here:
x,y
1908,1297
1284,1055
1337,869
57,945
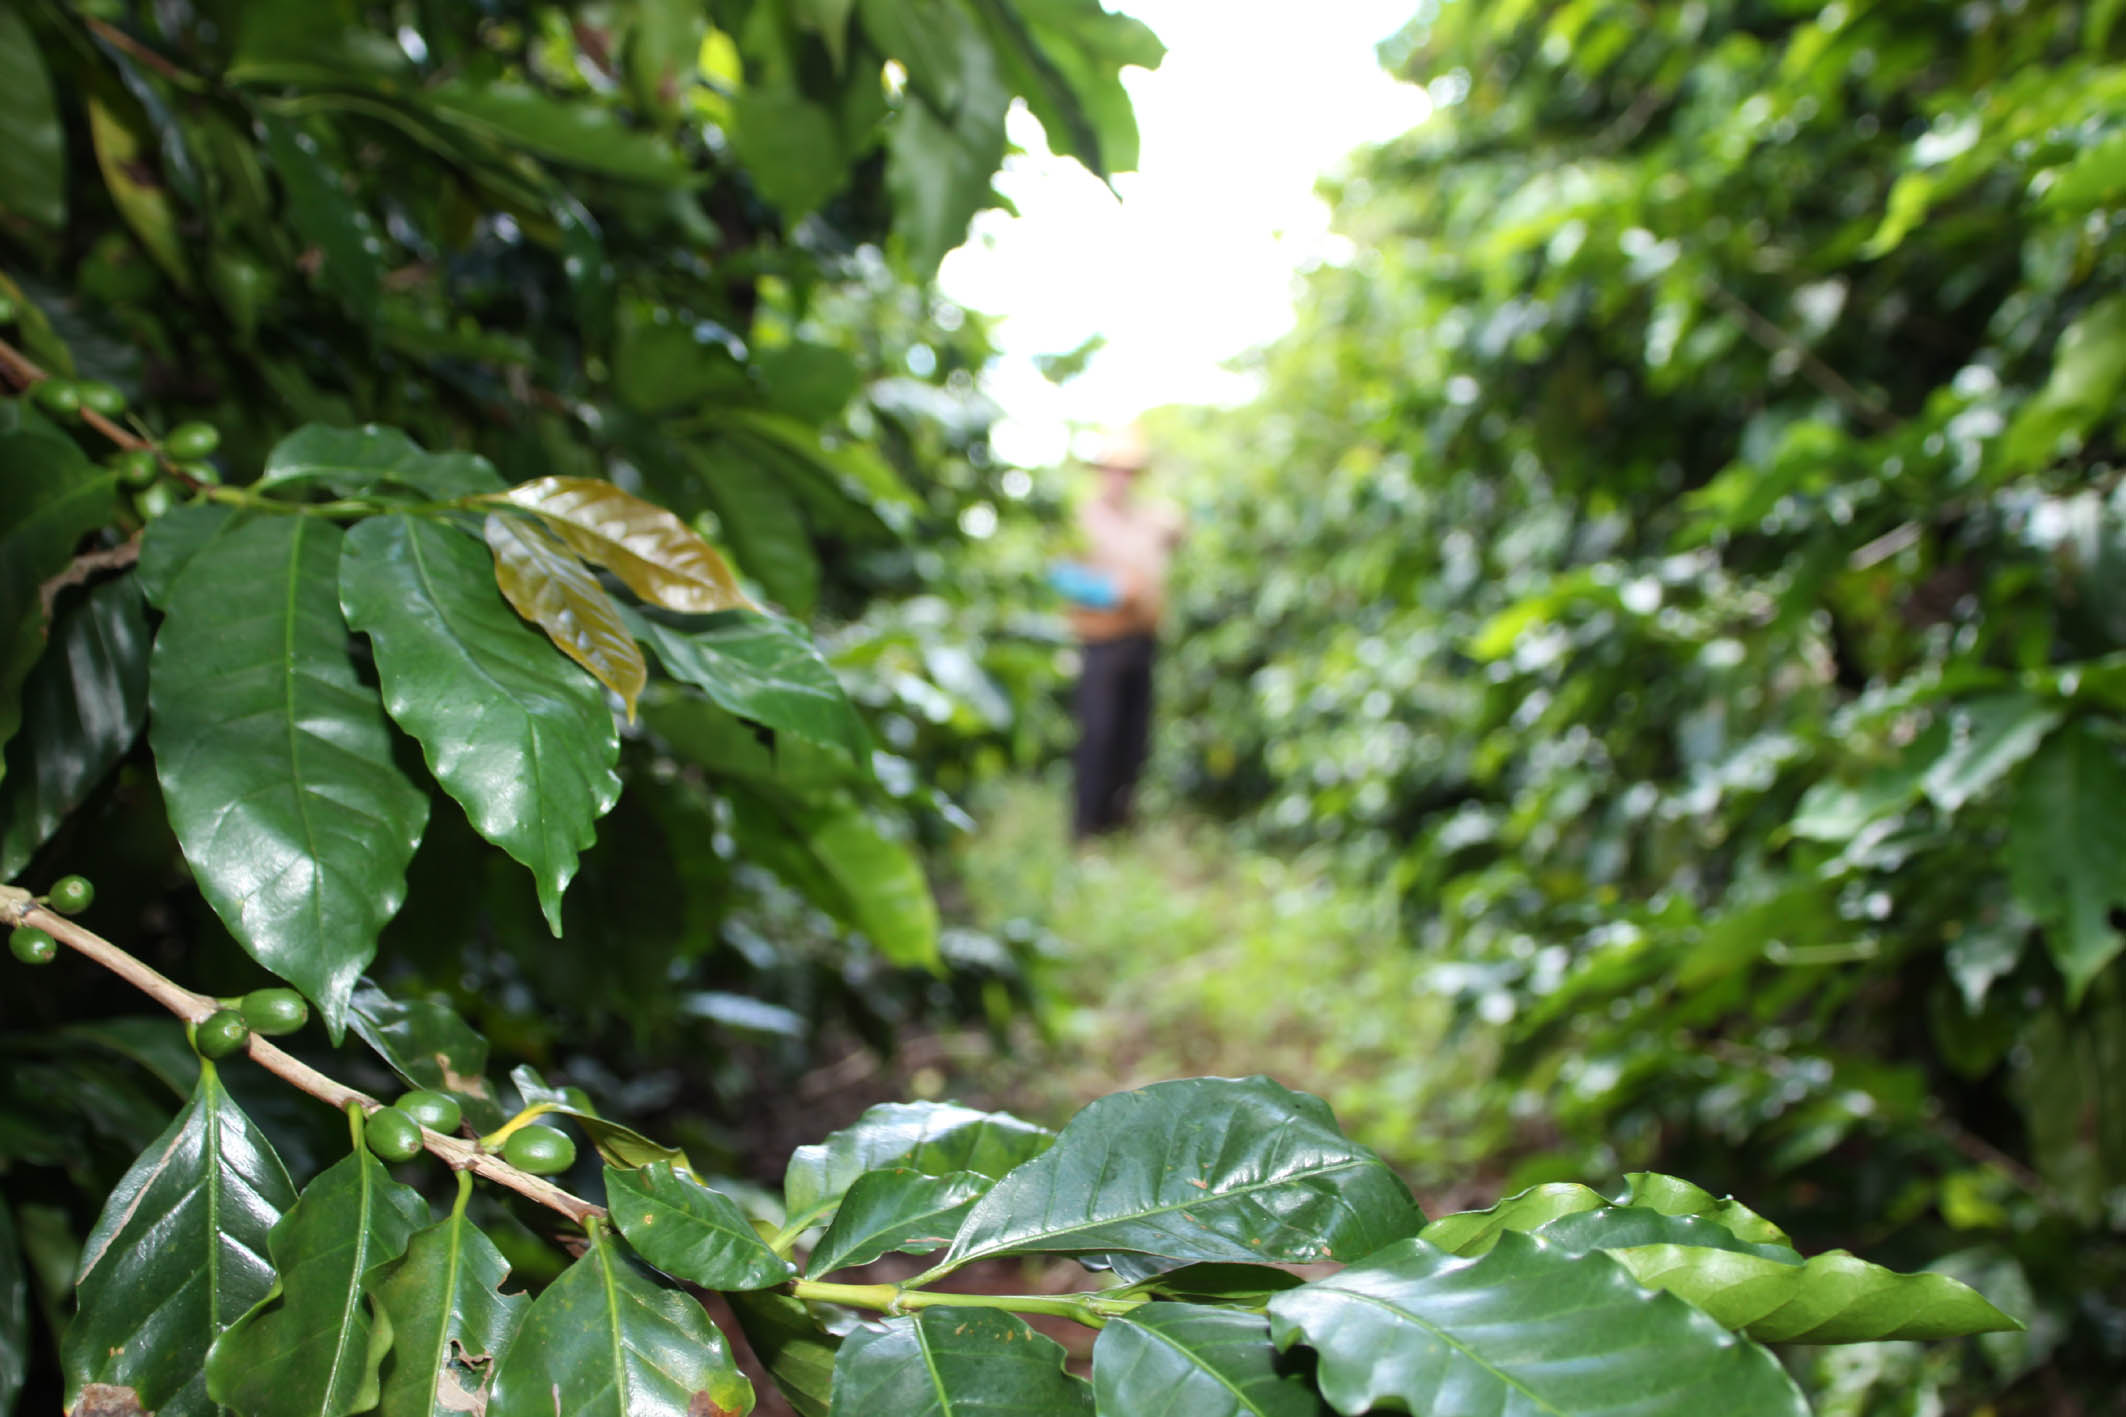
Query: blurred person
x,y
1117,591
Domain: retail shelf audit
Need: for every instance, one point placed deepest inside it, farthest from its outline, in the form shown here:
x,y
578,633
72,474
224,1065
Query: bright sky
x,y
1256,100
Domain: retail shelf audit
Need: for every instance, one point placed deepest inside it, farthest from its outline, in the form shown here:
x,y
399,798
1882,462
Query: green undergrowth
x,y
1175,950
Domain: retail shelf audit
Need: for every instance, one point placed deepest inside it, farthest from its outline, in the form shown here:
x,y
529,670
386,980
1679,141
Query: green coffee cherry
x,y
580,1100
154,500
32,945
101,397
136,467
60,396
539,1150
204,472
7,310
392,1135
437,1111
191,440
70,895
222,1033
273,1012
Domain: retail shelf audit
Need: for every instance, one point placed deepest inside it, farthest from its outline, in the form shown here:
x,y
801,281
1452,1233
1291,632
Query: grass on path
x,y
1179,952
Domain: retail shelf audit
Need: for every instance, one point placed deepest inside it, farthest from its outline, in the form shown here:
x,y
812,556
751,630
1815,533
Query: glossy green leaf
x,y
545,583
1527,1330
521,738
882,879
354,462
932,1138
2066,838
1190,1360
175,540
850,467
1200,1169
179,1254
1832,1298
589,270
427,1045
448,1320
32,138
1988,737
82,707
760,668
349,253
689,1231
136,189
312,1346
655,554
763,523
1473,1232
50,497
797,1353
606,1339
898,1210
939,161
277,761
577,134
1066,57
1672,1195
14,1312
948,1361
1616,1227
277,45
792,146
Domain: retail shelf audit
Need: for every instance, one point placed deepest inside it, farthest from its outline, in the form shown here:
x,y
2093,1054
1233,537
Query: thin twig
x,y
1822,375
87,564
19,367
19,907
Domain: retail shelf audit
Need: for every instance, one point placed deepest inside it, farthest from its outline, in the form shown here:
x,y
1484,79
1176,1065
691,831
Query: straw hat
x,y
1123,449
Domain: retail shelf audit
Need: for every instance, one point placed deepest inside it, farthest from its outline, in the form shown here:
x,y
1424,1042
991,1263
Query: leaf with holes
x,y
1528,1330
1189,1360
1199,1169
544,582
178,1255
448,1320
607,1339
428,1045
655,554
277,761
954,1360
521,738
312,1345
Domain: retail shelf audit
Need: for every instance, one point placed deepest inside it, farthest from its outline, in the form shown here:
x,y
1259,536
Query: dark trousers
x,y
1114,731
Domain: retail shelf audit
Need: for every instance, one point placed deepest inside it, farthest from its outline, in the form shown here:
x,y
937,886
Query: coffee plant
x,y
426,436
1703,603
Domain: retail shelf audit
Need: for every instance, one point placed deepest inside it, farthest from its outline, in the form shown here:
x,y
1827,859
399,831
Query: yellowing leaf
x,y
657,556
556,592
137,191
